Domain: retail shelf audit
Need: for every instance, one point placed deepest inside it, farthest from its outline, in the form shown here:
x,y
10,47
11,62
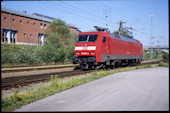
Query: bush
x,y
164,64
19,54
28,55
165,55
48,53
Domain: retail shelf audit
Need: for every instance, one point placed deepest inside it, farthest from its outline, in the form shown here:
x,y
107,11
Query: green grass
x,y
162,64
57,85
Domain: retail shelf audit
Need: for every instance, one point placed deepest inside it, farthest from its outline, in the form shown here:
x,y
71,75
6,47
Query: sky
x,y
146,17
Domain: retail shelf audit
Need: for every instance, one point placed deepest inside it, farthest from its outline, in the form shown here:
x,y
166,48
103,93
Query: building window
x,y
34,23
13,20
13,36
20,21
9,36
24,34
45,26
30,35
5,18
41,25
27,22
4,35
40,39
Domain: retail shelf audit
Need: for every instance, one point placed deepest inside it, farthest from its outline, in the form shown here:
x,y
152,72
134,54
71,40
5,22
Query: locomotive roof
x,y
123,38
116,36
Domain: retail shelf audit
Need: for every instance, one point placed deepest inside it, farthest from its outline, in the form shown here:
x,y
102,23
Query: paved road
x,y
137,90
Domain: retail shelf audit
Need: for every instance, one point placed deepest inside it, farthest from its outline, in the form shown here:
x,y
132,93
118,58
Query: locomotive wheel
x,y
83,66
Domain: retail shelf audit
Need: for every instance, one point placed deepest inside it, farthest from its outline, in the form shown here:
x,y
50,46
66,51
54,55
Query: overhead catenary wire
x,y
89,18
84,11
92,20
92,15
47,4
114,10
117,11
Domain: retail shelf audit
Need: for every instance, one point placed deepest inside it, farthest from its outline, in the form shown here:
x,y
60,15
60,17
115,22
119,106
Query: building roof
x,y
33,16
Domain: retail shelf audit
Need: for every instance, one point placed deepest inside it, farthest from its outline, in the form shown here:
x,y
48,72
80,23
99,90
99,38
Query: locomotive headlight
x,y
77,53
92,53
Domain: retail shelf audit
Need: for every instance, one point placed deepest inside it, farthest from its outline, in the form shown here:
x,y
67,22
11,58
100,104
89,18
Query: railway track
x,y
20,69
14,82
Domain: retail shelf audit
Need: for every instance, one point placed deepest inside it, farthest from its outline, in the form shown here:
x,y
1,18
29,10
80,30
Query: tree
x,y
165,55
125,33
58,26
146,55
60,40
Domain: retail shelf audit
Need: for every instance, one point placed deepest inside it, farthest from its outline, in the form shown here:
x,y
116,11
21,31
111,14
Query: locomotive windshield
x,y
87,38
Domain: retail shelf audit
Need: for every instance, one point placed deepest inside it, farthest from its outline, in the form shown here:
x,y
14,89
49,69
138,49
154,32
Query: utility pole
x,y
106,13
121,27
106,20
158,50
151,38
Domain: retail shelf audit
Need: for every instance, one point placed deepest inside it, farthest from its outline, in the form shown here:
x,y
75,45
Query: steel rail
x,y
34,68
14,82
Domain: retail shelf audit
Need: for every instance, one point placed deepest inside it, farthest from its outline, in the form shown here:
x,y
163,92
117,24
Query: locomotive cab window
x,y
82,38
87,38
92,38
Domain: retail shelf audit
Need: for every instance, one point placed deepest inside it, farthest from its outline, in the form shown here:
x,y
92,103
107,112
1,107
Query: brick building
x,y
22,28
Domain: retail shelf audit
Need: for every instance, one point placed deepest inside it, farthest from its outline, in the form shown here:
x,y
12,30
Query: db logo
x,y
85,48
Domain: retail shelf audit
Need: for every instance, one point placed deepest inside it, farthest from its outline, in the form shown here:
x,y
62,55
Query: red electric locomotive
x,y
104,49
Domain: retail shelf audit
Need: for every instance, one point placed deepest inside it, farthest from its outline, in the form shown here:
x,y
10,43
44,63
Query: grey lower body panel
x,y
105,58
80,59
